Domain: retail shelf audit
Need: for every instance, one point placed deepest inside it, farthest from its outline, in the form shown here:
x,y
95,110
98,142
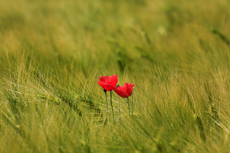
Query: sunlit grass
x,y
175,53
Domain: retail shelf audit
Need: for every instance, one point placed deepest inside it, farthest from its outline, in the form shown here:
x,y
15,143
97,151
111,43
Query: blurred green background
x,y
175,52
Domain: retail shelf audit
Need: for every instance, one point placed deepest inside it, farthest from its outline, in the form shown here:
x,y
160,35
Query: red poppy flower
x,y
108,82
125,90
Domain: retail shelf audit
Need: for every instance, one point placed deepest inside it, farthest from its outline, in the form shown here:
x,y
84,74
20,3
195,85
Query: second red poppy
x,y
125,90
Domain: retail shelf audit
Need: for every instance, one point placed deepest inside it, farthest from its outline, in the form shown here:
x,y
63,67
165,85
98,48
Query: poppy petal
x,y
103,78
108,82
125,90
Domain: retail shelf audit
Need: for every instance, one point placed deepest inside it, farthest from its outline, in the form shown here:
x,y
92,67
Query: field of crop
x,y
176,53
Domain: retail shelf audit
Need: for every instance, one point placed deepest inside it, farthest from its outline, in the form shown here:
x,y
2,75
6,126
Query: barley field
x,y
176,53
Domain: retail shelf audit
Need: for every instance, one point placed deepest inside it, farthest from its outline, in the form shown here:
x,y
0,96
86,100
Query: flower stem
x,y
106,103
128,105
132,105
111,103
106,118
119,108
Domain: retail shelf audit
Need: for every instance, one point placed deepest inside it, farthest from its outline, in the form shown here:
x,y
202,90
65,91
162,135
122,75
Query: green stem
x,y
106,118
128,105
111,103
119,107
106,103
132,105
